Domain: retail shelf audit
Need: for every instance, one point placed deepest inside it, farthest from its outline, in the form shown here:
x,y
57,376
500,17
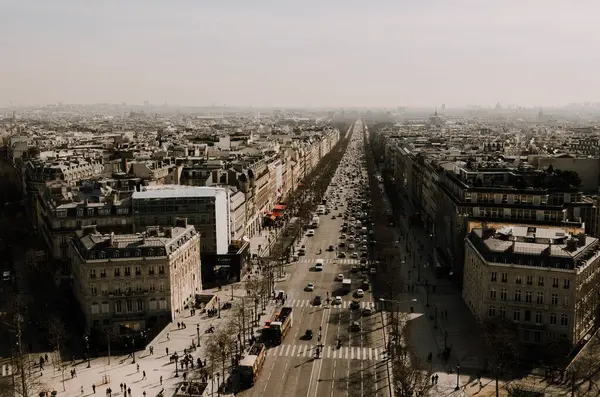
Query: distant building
x,y
133,282
545,279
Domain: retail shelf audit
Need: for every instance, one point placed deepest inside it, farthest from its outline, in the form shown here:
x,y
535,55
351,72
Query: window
x,y
554,299
117,271
92,273
555,282
567,283
95,308
138,286
90,211
140,305
115,254
538,317
104,289
151,269
102,255
517,314
492,311
565,302
162,304
528,296
161,286
129,306
138,270
504,277
152,286
540,298
564,320
126,254
537,336
93,290
152,304
494,276
518,295
541,281
138,253
117,288
161,269
518,279
527,315
128,270
103,211
492,294
80,212
128,287
553,318
529,280
105,307
102,272
503,312
118,307
503,294
61,214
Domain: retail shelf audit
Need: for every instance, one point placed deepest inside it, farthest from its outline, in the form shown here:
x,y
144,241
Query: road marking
x,y
346,354
293,350
287,350
351,354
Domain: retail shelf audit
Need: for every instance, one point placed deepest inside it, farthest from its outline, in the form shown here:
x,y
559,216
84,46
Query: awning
x,y
279,207
300,184
273,217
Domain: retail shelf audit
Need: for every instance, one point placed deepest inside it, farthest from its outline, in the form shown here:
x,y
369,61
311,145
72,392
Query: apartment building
x,y
132,282
545,279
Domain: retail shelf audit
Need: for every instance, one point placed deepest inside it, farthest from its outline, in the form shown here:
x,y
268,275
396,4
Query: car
x,y
354,305
341,254
330,248
343,236
364,285
340,277
363,260
318,267
367,311
354,255
364,254
373,270
355,326
333,216
354,269
310,287
310,233
351,246
337,300
342,244
359,293
6,275
317,300
308,334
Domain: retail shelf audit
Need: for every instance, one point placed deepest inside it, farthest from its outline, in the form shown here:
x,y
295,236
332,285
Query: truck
x,y
347,285
250,366
280,326
315,222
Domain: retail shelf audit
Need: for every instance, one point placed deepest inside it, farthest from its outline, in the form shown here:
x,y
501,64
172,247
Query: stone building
x,y
135,281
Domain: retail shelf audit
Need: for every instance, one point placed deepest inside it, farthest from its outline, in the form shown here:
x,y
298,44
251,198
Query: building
x,y
206,208
133,282
545,279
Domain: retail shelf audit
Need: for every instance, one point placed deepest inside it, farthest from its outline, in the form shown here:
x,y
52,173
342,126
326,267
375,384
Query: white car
x,y
354,255
343,236
351,246
318,267
337,300
310,233
340,277
310,287
360,293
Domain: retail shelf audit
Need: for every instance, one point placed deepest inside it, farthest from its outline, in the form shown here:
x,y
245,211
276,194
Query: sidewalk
x,y
264,240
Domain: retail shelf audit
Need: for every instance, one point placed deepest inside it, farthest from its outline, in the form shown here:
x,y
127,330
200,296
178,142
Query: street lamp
x,y
133,348
435,316
87,346
176,357
198,333
218,308
457,377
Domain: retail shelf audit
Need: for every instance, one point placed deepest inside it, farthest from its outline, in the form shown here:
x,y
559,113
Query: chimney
x,y
581,239
168,232
181,222
112,239
90,229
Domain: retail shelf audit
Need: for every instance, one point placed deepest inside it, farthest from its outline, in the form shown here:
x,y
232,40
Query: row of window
x,y
93,211
566,284
127,253
527,316
518,295
128,306
127,271
126,288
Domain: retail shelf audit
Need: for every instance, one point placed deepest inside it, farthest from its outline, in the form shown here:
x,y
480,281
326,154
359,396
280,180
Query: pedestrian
x,y
129,391
138,367
81,390
121,387
161,380
167,350
94,388
144,393
168,336
437,377
433,379
143,375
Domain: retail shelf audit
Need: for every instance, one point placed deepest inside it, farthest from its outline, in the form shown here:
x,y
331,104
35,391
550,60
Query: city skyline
x,y
338,54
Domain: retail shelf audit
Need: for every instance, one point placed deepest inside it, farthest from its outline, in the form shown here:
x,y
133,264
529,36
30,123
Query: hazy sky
x,y
301,52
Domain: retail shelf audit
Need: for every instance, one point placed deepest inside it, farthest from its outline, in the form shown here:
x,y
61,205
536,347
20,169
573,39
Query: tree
x,y
57,334
501,338
241,321
218,348
111,335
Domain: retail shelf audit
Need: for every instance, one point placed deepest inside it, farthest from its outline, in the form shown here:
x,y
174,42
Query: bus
x,y
251,365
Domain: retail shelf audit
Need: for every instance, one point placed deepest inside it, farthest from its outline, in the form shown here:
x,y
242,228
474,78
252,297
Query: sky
x,y
328,53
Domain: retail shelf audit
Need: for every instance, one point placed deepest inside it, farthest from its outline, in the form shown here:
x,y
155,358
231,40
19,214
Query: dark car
x,y
308,334
317,301
354,305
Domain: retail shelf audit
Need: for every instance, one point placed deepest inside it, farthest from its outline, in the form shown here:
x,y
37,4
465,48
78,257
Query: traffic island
x,y
191,389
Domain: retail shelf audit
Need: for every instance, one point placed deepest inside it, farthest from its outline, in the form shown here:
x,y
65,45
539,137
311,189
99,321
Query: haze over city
x,y
333,53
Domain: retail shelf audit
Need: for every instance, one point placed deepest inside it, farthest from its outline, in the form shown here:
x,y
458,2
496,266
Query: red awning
x,y
279,207
300,184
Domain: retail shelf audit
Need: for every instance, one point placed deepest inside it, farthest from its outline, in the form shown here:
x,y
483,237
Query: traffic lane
x,y
304,318
334,378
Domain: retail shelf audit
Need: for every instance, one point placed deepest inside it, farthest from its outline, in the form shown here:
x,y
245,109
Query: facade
x,y
545,279
134,281
207,208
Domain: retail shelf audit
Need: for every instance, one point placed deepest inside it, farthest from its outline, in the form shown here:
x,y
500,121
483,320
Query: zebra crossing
x,y
346,353
344,305
341,261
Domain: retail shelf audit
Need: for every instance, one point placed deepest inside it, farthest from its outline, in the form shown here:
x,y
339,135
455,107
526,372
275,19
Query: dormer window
x,y
150,252
116,254
90,211
126,254
102,255
138,253
61,213
80,212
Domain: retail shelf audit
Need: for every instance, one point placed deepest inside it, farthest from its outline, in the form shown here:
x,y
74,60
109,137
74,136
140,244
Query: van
x,y
319,264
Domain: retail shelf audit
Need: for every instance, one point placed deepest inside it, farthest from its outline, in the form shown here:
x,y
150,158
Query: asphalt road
x,y
358,367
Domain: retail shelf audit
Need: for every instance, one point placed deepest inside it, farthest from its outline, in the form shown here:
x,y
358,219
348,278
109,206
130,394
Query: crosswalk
x,y
309,303
346,353
342,261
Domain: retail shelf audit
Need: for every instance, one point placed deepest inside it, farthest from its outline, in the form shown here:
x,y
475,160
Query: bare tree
x,y
241,320
111,335
501,338
219,348
57,333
